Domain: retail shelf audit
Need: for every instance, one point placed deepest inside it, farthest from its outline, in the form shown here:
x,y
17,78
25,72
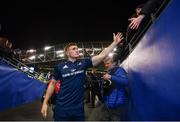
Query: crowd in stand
x,y
5,46
6,49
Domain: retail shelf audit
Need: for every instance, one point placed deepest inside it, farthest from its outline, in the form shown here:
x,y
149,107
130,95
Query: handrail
x,y
135,39
18,65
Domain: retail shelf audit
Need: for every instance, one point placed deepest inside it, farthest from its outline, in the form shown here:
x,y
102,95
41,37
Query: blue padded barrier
x,y
17,88
154,69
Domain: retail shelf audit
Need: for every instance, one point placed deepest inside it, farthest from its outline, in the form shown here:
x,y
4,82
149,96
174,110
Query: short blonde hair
x,y
67,47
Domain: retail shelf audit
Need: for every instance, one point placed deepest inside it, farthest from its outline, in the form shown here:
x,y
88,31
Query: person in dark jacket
x,y
147,9
138,22
95,88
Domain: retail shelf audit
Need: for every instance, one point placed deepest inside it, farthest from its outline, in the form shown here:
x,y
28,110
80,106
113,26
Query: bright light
x,y
59,51
32,57
80,54
80,49
114,49
60,55
97,49
25,69
91,54
110,54
31,51
47,48
31,69
41,55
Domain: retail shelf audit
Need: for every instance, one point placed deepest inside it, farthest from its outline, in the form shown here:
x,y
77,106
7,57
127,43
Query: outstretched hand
x,y
118,37
135,22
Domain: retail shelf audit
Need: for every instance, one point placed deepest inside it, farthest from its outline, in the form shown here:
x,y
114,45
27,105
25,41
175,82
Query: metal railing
x,y
56,52
23,68
139,34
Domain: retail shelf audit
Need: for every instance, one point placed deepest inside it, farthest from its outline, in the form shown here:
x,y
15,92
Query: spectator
x,y
138,21
94,88
147,9
87,89
3,42
115,96
6,47
131,32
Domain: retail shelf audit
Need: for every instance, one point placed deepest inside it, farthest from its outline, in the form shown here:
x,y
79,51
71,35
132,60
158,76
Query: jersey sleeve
x,y
88,63
56,73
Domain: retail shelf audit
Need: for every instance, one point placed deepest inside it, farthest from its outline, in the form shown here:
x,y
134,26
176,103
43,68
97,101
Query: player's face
x,y
73,52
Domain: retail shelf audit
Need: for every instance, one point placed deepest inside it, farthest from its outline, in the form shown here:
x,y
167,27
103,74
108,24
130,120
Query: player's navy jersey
x,y
72,77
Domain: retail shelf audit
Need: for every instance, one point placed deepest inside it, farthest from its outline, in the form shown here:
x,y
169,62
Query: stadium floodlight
x,y
97,49
114,49
59,51
111,54
31,51
47,48
41,55
32,57
60,55
80,49
81,54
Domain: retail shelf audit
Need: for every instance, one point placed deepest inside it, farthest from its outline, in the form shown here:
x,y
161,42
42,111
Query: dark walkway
x,y
31,112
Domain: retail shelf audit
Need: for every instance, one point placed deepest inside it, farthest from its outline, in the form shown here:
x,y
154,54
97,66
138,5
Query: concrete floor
x,y
31,112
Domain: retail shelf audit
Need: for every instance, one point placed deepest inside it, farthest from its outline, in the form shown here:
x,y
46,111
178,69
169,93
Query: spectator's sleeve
x,y
120,77
150,6
88,63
